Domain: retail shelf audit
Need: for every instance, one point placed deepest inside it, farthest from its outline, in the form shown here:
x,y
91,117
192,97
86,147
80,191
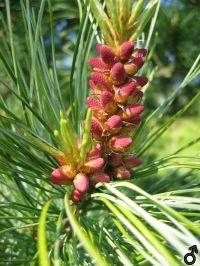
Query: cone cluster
x,y
116,104
116,111
82,175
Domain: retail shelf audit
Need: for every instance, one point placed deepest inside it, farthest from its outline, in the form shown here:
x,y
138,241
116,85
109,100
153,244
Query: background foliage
x,y
34,87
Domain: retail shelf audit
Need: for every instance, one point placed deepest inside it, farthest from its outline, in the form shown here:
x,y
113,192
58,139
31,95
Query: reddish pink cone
x,y
113,124
140,53
107,55
139,62
120,143
98,47
81,183
92,85
97,63
96,152
122,94
126,50
122,173
131,125
142,81
93,165
131,111
79,143
96,128
115,159
100,80
107,102
76,196
62,175
136,121
131,162
99,177
118,74
93,103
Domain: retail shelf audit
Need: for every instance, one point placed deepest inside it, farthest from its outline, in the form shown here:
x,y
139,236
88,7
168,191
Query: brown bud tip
x,y
118,74
96,128
130,68
93,165
62,175
76,196
122,173
93,103
81,183
120,143
108,56
100,80
140,53
97,63
113,124
142,81
99,177
136,97
131,162
126,50
115,159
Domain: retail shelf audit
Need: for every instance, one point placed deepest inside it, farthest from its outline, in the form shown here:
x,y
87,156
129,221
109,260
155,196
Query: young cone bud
x,y
96,152
101,81
131,162
79,143
131,111
99,177
142,81
122,173
81,183
107,102
113,124
93,103
139,62
118,74
136,121
115,159
62,175
107,55
76,196
122,94
97,63
126,50
120,143
98,47
96,128
93,165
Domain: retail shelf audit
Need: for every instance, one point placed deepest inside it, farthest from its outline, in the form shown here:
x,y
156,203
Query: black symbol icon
x,y
190,257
